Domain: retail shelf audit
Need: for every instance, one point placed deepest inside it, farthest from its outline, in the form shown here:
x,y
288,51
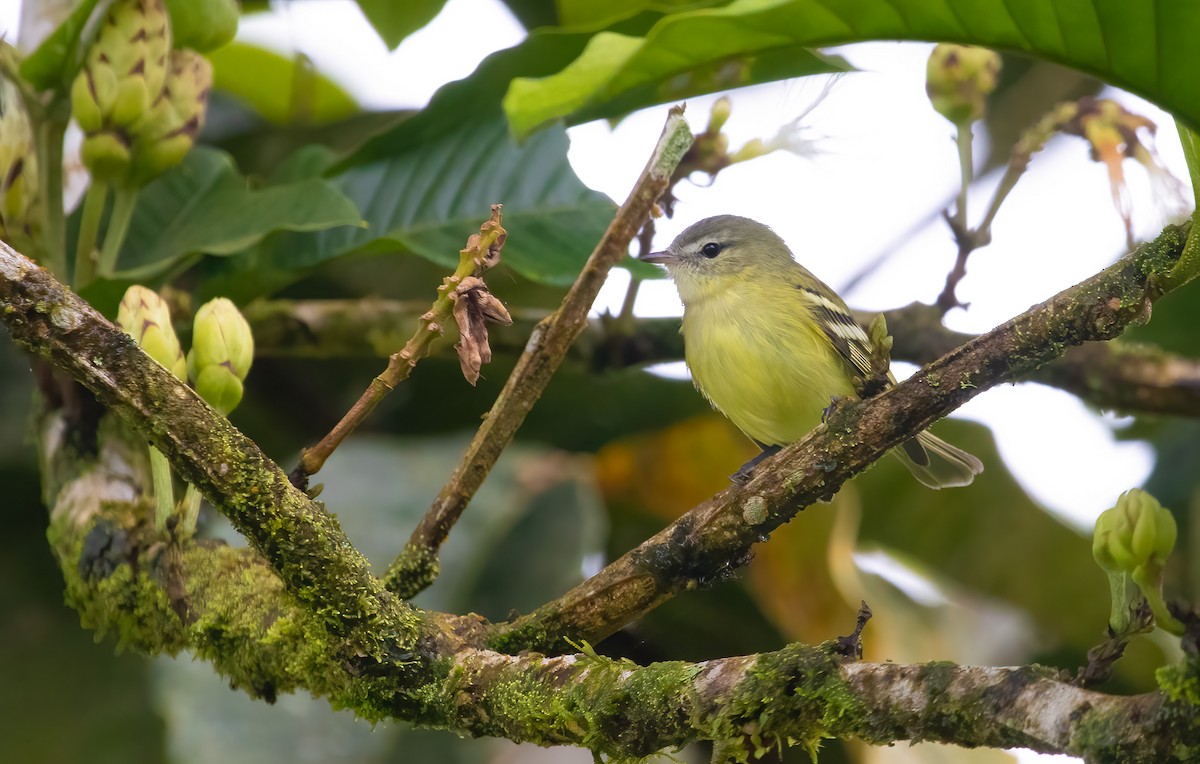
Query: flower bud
x,y
958,80
1136,532
165,133
122,77
221,354
145,316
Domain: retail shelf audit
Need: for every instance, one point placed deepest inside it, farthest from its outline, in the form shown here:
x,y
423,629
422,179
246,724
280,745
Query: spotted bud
x,y
145,317
958,80
221,355
168,130
121,79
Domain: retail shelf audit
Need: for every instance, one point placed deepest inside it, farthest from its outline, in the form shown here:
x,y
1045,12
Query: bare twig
x,y
416,567
482,252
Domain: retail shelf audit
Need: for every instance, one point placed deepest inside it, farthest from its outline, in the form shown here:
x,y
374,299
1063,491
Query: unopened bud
x,y
221,355
958,80
122,76
145,317
168,130
1136,532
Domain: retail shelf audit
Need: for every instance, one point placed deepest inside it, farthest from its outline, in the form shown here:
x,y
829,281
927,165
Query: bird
x,y
770,345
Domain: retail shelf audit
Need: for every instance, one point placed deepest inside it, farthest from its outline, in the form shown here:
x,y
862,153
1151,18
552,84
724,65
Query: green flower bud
x,y
122,76
221,354
958,80
1136,532
165,134
145,317
203,25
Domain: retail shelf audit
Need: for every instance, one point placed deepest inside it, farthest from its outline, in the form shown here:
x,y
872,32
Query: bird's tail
x,y
936,463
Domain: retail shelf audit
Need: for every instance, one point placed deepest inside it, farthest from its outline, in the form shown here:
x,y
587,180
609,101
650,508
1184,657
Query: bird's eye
x,y
711,249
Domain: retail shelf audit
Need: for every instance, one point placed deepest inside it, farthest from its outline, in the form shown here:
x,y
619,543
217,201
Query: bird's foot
x,y
835,404
742,476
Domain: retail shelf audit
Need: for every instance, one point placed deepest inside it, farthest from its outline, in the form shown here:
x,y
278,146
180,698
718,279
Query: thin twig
x,y
482,252
416,567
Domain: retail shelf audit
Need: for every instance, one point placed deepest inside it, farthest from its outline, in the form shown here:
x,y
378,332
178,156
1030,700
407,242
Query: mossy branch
x,y
301,542
227,607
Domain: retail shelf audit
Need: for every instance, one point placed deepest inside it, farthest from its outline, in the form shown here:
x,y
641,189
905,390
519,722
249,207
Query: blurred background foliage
x,y
297,192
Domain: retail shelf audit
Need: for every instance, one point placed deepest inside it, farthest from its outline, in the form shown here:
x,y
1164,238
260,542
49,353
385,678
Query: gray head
x,y
724,245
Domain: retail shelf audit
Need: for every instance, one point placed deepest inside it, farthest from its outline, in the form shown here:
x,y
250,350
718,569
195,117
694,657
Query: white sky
x,y
889,160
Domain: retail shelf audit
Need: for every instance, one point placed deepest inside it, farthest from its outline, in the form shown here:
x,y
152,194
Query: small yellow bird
x,y
769,344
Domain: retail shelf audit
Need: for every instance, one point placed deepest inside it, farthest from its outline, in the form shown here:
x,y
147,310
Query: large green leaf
x,y
395,21
283,90
544,52
595,85
1146,46
427,200
205,206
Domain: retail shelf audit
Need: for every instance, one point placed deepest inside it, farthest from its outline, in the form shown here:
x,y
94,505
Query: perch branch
x,y
416,567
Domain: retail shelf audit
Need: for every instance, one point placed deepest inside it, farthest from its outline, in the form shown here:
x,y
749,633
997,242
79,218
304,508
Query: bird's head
x,y
720,251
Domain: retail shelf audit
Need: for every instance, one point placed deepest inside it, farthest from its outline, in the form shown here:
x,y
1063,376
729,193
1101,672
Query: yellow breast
x,y
771,371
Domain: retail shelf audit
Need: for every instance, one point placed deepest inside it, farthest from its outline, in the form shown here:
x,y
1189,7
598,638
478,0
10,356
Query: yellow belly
x,y
772,374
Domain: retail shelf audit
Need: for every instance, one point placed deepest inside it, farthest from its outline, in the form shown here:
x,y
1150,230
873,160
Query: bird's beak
x,y
661,258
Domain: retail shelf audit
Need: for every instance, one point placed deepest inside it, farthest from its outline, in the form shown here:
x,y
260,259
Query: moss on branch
x,y
301,542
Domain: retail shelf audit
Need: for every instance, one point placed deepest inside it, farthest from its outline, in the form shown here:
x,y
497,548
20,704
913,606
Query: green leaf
x,y
1146,47
205,206
427,201
581,13
394,21
283,90
56,60
542,53
614,76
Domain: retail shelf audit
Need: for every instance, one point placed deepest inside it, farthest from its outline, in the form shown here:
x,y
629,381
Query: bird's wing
x,y
848,338
854,347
